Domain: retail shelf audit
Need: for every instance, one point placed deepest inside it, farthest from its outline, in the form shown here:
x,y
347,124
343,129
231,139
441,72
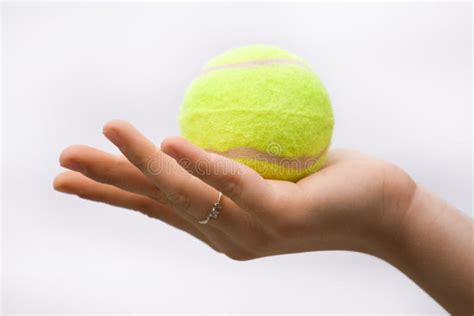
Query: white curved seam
x,y
256,63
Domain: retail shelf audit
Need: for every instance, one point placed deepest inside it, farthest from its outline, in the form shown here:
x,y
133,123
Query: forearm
x,y
435,249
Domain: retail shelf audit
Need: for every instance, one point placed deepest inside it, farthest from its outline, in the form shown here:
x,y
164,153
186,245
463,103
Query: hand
x,y
354,203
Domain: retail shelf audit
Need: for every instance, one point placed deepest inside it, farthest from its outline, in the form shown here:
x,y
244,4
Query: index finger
x,y
183,191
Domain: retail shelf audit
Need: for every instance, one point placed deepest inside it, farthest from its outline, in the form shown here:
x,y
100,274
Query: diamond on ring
x,y
214,213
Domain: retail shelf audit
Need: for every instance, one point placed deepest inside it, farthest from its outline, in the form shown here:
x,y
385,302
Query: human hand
x,y
354,203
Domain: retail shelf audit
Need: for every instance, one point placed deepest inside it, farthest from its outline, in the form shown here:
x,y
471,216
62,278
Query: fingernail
x,y
113,137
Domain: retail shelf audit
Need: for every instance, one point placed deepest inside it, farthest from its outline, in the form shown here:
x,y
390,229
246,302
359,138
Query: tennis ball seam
x,y
273,171
302,162
251,52
257,63
259,112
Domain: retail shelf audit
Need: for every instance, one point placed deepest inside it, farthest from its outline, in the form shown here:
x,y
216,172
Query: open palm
x,y
339,207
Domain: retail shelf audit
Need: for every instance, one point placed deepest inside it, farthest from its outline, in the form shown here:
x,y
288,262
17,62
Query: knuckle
x,y
232,185
120,163
231,181
144,205
143,163
179,199
152,165
159,196
108,171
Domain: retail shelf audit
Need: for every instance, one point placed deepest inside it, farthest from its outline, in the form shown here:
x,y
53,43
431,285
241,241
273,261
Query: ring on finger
x,y
214,212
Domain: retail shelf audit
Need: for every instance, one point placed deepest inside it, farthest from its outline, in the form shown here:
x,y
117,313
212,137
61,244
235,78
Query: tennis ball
x,y
262,106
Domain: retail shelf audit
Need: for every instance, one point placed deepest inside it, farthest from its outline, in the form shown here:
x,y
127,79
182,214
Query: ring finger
x,y
74,183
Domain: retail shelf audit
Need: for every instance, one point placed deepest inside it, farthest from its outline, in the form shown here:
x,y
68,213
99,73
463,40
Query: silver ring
x,y
214,212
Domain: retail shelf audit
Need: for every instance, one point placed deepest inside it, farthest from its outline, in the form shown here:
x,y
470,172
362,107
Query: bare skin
x,y
355,203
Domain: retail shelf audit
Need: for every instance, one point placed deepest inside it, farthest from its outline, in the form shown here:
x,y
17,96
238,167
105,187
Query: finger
x,y
184,192
75,183
237,181
109,169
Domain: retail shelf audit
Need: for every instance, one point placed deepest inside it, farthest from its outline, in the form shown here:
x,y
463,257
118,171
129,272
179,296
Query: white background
x,y
400,80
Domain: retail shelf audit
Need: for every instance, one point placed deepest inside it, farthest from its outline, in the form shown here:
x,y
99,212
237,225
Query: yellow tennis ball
x,y
262,106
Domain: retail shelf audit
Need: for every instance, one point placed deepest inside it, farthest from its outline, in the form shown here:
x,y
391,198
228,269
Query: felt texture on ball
x,y
262,106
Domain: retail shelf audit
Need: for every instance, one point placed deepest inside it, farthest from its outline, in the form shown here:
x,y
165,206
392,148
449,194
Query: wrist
x,y
367,219
430,246
387,228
